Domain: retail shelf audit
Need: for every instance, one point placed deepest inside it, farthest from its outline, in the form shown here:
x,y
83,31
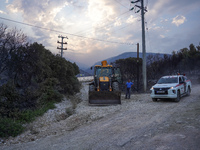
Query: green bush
x,y
9,98
9,127
30,115
13,127
37,79
50,95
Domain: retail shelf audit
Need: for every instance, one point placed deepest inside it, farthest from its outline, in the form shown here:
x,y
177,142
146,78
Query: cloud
x,y
164,20
156,9
34,11
131,19
93,19
2,12
178,20
104,20
162,36
41,13
118,22
103,15
12,8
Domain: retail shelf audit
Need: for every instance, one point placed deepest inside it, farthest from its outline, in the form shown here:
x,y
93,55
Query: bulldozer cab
x,y
103,71
102,78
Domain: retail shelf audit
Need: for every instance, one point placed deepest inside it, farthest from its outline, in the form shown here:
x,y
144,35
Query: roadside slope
x,y
138,123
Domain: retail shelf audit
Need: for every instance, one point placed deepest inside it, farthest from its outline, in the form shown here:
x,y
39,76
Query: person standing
x,y
129,84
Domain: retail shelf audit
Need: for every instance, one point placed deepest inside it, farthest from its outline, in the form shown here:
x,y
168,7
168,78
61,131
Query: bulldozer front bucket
x,y
104,97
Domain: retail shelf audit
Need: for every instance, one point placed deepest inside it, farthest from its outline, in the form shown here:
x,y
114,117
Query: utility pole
x,y
144,68
61,48
144,73
138,67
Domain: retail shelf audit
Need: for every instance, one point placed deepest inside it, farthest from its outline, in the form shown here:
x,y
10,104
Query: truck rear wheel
x,y
178,97
188,91
115,86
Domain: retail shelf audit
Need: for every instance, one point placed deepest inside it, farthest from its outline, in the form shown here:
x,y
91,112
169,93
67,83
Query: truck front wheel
x,y
154,99
178,97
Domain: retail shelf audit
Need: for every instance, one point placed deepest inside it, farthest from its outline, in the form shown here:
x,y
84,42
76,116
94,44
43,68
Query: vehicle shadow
x,y
166,100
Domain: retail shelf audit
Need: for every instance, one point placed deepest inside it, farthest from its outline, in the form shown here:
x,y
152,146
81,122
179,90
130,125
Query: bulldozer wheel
x,y
115,86
91,88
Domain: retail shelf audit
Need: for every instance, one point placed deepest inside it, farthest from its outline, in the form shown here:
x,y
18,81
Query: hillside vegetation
x,y
32,79
185,61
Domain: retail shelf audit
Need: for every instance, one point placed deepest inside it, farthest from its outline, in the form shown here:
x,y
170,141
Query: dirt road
x,y
138,123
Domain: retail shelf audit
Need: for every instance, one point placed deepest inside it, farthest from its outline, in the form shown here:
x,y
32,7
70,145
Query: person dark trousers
x,y
129,84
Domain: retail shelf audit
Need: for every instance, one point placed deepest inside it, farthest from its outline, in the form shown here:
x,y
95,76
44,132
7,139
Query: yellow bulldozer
x,y
104,89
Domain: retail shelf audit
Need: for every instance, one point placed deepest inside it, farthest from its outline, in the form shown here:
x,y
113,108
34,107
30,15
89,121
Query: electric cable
x,y
121,4
83,31
103,28
57,31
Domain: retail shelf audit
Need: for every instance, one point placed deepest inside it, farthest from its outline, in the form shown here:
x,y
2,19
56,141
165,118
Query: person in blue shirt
x,y
129,84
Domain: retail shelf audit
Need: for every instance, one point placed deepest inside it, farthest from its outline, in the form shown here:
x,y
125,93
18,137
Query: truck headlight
x,y
151,88
173,89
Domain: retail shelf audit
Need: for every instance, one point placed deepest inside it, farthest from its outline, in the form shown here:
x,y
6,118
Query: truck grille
x,y
161,91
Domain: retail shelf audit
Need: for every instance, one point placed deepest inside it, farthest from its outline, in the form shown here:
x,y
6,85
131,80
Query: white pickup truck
x,y
173,87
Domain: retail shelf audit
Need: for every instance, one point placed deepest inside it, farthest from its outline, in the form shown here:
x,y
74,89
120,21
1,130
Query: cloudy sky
x,y
101,29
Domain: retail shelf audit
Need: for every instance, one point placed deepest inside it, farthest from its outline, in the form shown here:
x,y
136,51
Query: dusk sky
x,y
170,25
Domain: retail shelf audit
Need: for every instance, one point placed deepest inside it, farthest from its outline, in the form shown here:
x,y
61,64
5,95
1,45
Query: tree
x,y
10,41
34,79
128,68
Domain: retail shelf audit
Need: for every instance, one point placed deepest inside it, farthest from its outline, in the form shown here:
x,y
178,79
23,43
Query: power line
x,y
57,31
121,4
147,2
83,31
102,28
107,25
121,28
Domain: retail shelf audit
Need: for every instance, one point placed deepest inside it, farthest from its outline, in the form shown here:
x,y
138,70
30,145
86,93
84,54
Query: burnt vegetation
x,y
185,61
32,79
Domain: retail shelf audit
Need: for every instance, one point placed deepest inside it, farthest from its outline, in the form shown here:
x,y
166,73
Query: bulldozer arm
x,y
104,97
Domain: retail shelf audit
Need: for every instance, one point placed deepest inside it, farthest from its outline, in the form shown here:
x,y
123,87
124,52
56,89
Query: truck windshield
x,y
168,80
103,71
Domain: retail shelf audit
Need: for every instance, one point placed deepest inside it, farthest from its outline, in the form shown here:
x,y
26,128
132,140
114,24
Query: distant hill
x,y
79,64
123,56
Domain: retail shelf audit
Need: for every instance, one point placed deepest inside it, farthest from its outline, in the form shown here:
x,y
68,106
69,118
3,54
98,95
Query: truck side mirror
x,y
90,68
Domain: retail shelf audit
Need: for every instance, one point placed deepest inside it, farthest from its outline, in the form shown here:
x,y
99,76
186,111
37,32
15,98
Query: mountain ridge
x,y
123,56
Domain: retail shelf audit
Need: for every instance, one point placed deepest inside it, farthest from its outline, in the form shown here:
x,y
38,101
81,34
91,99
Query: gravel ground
x,y
138,123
